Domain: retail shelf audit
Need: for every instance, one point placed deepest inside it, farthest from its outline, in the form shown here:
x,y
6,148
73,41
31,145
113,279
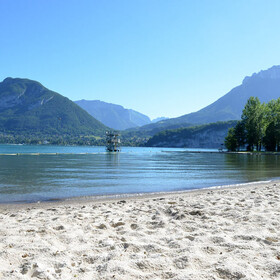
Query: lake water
x,y
66,172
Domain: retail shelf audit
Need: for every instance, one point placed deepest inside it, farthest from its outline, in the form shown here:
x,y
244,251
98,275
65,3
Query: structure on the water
x,y
112,141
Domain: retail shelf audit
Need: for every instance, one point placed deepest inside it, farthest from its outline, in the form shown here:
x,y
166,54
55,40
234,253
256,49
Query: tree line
x,y
258,128
39,138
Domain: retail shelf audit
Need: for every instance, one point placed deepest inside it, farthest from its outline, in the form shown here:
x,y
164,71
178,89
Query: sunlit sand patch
x,y
230,233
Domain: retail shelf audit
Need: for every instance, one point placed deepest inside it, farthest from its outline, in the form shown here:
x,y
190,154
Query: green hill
x,y
153,128
28,108
202,136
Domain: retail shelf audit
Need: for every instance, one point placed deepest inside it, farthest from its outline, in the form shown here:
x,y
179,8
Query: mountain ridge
x,y
113,115
26,106
265,85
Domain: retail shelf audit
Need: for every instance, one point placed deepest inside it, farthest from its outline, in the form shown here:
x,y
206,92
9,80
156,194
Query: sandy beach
x,y
230,233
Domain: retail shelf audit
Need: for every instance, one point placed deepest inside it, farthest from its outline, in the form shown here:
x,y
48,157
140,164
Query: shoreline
x,y
205,234
182,150
127,196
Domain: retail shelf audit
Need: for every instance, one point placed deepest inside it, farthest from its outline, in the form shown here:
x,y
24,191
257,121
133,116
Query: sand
x,y
230,233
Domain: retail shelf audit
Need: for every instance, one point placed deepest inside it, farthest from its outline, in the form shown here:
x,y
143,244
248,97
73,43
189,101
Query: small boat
x,y
112,141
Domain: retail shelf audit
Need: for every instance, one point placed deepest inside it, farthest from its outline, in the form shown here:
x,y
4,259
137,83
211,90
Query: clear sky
x,y
159,57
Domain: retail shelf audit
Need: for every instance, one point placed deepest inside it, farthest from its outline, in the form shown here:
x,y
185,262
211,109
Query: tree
x,y
240,134
272,133
270,138
260,125
230,140
253,117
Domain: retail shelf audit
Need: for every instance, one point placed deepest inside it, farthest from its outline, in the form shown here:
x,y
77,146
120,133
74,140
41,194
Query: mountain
x,y
265,85
159,119
27,107
151,129
112,115
202,136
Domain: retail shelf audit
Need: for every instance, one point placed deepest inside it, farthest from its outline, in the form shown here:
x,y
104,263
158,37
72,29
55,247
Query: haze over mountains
x,y
112,115
115,116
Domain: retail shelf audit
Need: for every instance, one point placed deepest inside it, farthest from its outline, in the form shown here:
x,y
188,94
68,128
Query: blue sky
x,y
161,58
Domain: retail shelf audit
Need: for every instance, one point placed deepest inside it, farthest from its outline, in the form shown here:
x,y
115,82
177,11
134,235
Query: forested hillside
x,y
202,136
29,110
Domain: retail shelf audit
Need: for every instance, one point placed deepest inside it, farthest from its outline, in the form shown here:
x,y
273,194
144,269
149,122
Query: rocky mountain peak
x,y
272,73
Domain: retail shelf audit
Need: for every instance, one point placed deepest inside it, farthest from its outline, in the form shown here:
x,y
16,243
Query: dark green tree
x,y
240,134
272,133
270,138
253,117
231,140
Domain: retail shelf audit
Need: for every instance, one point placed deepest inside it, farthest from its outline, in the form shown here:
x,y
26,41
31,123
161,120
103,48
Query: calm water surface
x,y
85,171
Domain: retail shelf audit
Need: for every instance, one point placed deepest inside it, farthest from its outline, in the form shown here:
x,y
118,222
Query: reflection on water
x,y
28,177
253,167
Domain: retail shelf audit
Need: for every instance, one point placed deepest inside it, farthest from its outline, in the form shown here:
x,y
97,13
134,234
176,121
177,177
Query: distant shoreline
x,y
184,151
